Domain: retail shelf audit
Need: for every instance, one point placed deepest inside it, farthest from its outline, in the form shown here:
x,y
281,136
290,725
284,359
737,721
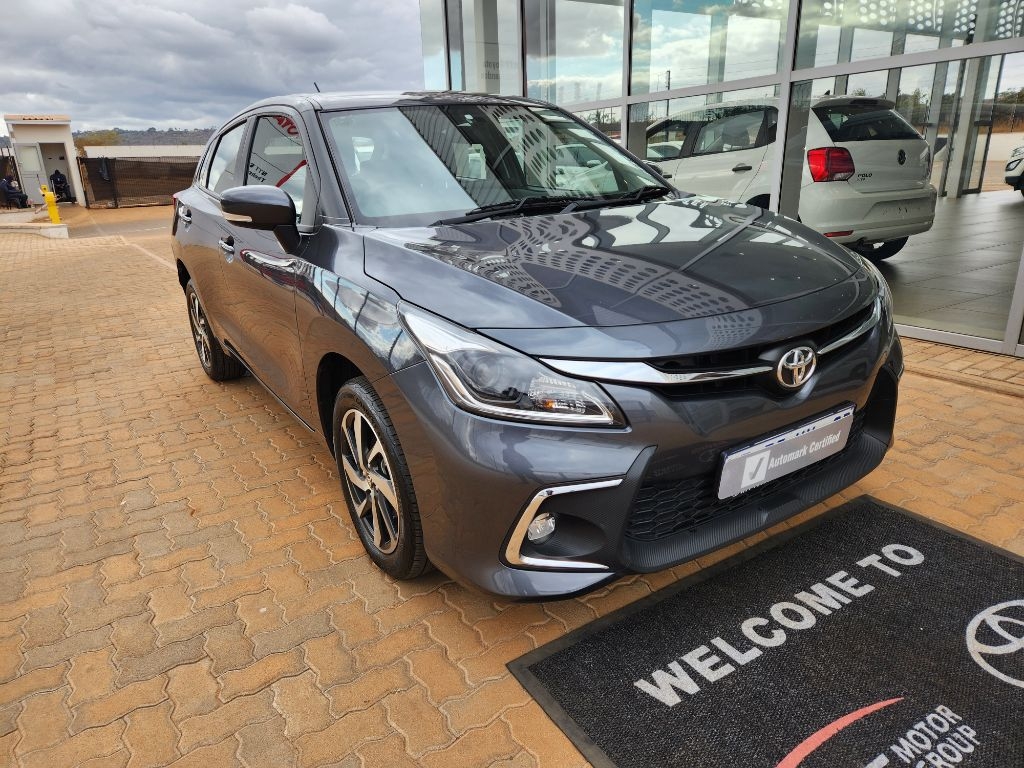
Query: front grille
x,y
664,509
747,356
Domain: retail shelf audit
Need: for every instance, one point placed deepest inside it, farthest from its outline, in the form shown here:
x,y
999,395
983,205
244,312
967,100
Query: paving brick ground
x,y
180,584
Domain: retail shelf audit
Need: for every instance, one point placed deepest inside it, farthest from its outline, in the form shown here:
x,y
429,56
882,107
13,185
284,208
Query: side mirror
x,y
657,171
263,207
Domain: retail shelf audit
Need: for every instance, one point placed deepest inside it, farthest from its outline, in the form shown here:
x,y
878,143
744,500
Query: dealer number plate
x,y
901,210
779,455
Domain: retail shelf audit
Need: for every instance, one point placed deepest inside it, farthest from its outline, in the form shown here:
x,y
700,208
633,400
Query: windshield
x,y
411,166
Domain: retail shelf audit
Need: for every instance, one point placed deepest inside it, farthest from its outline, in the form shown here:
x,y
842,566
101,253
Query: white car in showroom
x,y
866,171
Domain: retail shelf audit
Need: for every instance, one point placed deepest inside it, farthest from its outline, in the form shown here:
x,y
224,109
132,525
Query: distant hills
x,y
124,138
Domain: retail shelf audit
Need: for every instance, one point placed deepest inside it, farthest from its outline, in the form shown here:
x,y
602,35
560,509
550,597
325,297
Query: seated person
x,y
60,187
11,193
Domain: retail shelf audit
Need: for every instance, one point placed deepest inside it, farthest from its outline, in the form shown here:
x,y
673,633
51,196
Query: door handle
x,y
184,214
227,244
742,167
269,261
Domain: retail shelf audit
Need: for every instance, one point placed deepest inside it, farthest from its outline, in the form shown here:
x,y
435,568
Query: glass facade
x,y
890,126
608,121
957,272
574,49
838,31
490,47
432,35
676,45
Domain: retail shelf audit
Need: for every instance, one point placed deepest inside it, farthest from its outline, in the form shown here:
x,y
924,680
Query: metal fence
x,y
120,182
8,165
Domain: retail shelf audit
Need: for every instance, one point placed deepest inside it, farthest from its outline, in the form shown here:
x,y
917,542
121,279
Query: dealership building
x,y
731,98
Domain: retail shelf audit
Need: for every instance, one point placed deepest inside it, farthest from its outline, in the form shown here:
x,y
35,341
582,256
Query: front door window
x,y
278,159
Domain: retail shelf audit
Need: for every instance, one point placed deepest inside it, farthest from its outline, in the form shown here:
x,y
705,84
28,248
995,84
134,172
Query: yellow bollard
x,y
51,203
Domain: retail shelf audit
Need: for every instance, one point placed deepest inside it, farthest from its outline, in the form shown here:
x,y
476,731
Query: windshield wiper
x,y
648,192
507,208
534,202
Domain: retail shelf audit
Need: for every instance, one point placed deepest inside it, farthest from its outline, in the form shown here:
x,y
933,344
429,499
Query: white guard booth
x,y
43,144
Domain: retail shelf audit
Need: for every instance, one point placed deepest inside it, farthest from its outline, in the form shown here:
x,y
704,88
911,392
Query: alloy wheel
x,y
370,482
200,331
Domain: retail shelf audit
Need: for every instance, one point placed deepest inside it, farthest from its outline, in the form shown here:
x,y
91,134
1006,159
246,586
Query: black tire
x,y
377,485
880,251
217,363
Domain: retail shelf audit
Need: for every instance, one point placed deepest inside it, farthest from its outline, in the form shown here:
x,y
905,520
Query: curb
x,y
55,231
968,380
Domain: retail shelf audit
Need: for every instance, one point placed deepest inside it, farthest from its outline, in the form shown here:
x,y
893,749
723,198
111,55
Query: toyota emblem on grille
x,y
796,367
901,158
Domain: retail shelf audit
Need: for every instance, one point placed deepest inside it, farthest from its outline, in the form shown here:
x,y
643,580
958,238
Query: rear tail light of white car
x,y
830,164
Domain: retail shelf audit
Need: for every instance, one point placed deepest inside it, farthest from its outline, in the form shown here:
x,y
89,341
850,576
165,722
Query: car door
x,y
259,276
725,155
201,229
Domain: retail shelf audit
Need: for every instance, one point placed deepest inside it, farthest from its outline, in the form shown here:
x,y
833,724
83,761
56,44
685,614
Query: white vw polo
x,y
866,172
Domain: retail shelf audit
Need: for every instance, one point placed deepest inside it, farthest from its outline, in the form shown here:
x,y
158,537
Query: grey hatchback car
x,y
537,365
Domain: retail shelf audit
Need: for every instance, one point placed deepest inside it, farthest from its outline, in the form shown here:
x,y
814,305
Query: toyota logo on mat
x,y
796,367
901,158
1002,627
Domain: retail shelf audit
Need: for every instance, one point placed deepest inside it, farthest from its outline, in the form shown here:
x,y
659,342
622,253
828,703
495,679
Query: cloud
x,y
135,64
291,28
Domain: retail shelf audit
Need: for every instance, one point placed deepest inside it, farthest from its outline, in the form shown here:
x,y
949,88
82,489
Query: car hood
x,y
612,268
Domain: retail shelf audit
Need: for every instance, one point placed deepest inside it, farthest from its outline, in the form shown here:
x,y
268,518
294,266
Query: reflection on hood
x,y
659,262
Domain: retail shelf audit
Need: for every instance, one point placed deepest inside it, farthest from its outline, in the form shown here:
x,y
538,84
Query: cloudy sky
x,y
193,63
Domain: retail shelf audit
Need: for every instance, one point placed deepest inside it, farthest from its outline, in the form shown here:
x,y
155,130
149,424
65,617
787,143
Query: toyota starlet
x,y
538,366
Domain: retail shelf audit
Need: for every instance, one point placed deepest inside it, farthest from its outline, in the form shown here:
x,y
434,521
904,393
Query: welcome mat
x,y
868,638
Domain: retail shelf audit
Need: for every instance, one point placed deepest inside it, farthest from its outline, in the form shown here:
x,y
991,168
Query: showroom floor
x,y
180,583
959,276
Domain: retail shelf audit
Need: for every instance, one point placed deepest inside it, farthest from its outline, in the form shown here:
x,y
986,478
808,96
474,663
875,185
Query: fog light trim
x,y
513,551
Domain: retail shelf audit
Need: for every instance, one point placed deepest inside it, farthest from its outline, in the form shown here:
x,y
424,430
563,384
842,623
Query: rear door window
x,y
864,122
225,159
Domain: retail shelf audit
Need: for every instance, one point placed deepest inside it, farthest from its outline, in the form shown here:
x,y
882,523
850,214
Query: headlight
x,y
485,377
884,294
1012,165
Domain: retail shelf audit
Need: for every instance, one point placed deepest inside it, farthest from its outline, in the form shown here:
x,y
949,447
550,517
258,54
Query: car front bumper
x,y
637,499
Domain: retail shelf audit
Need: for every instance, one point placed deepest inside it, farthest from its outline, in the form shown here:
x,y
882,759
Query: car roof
x,y
356,100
